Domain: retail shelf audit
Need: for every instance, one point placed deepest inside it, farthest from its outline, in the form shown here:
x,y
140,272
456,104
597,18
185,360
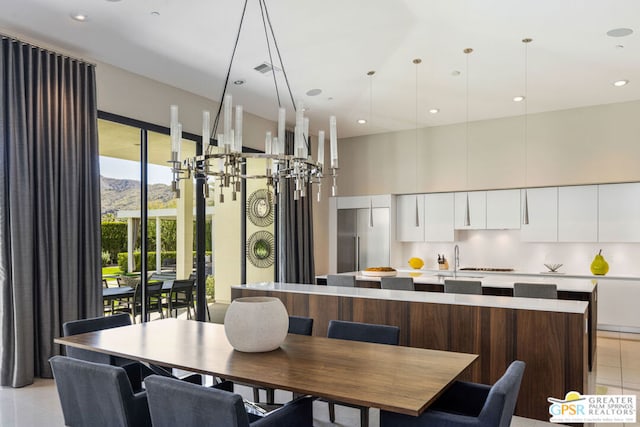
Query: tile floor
x,y
618,366
618,372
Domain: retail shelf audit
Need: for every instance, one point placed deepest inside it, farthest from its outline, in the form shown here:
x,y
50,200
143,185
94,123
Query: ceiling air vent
x,y
265,67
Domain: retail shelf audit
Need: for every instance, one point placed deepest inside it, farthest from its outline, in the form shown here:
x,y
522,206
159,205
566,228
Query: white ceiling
x,y
331,44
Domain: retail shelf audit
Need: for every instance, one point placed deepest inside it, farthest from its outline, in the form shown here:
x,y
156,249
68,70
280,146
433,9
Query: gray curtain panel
x,y
295,231
50,205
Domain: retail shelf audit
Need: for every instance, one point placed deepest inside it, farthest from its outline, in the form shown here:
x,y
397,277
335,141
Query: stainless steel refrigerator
x,y
363,238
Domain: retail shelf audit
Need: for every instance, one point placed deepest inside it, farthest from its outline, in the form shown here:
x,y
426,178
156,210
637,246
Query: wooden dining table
x,y
394,378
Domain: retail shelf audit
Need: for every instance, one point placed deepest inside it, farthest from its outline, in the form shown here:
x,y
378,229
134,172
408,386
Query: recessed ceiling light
x,y
314,92
153,13
239,82
518,98
619,46
80,16
434,111
362,121
455,73
620,32
620,83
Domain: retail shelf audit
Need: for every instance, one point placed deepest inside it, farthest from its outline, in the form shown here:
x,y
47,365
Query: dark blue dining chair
x,y
97,395
177,403
136,371
74,327
300,325
468,404
367,332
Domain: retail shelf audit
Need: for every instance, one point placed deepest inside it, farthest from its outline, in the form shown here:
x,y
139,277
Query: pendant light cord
x,y
467,51
417,62
526,42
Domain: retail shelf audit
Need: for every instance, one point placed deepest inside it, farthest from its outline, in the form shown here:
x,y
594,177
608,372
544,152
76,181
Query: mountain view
x,y
119,194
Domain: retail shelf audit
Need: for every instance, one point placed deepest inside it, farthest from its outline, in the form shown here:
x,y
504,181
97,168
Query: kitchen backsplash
x,y
503,249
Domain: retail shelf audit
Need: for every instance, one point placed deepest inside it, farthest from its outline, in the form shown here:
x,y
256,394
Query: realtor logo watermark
x,y
577,408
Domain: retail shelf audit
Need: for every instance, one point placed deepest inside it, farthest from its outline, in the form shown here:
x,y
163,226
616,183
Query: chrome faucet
x,y
456,258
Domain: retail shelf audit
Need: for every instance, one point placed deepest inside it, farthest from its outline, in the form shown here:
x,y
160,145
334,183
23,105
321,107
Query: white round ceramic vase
x,y
256,324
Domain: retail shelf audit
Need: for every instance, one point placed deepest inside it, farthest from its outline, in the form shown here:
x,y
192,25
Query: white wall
x,y
580,146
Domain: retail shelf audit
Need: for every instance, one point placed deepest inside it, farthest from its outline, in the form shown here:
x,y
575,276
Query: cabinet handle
x,y
417,213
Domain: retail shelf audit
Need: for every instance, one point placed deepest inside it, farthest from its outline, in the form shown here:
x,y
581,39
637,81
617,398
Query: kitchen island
x,y
550,336
501,284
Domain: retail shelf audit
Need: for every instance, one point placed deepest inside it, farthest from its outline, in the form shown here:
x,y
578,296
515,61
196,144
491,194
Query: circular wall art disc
x,y
260,249
259,207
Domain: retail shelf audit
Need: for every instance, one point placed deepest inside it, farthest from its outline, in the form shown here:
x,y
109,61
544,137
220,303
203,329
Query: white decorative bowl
x,y
256,324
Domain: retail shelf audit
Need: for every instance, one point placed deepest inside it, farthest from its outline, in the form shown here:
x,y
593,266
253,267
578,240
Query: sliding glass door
x,y
147,231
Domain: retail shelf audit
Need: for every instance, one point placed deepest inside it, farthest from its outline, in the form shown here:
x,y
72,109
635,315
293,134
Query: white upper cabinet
x,y
542,206
410,218
619,212
503,209
578,213
438,210
477,210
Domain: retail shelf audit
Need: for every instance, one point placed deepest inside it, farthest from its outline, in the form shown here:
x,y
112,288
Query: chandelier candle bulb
x,y
238,130
267,143
321,148
226,106
299,129
282,119
179,140
297,138
333,142
206,131
275,150
306,139
174,131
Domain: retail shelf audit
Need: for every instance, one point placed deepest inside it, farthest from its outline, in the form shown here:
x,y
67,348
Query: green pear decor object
x,y
599,266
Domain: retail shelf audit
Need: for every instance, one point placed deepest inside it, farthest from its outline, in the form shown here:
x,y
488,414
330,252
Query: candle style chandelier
x,y
226,166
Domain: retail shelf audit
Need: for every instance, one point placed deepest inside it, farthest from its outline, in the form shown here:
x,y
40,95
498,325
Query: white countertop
x,y
561,274
563,306
490,279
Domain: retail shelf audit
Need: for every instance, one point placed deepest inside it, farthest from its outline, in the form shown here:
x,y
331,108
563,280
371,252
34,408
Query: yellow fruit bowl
x,y
416,263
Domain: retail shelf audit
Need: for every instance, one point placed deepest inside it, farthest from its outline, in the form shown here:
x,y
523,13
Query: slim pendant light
x,y
525,214
467,214
371,213
416,62
370,74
